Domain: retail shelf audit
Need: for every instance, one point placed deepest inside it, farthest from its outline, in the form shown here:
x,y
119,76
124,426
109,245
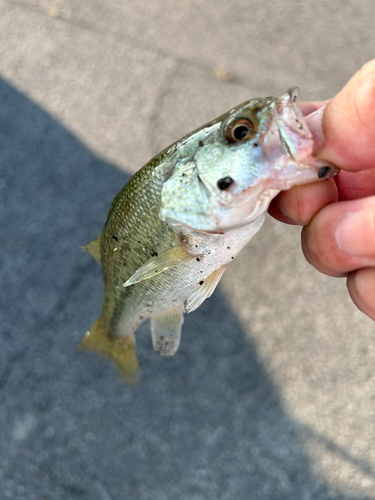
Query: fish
x,y
173,229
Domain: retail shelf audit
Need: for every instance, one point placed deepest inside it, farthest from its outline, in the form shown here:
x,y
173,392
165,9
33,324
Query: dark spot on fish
x,y
201,282
294,98
224,183
196,246
115,237
139,242
183,175
154,254
323,172
255,144
228,248
197,259
232,258
201,271
200,143
141,317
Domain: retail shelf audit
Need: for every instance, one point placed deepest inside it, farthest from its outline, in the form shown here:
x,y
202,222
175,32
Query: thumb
x,y
346,126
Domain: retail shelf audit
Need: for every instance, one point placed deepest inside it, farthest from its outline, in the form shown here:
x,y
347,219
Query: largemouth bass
x,y
175,226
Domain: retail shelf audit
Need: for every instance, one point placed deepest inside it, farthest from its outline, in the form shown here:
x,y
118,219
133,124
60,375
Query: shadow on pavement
x,y
205,424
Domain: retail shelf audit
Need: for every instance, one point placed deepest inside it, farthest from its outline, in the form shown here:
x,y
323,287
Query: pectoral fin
x,y
121,351
205,290
166,331
162,262
93,248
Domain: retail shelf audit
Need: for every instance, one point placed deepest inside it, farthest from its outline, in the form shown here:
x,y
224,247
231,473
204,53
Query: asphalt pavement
x,y
272,392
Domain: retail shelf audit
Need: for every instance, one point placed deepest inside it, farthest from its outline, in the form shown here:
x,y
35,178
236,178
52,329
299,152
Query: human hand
x,y
339,214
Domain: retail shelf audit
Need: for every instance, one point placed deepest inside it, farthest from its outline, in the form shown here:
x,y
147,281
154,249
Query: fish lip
x,y
295,135
289,100
290,121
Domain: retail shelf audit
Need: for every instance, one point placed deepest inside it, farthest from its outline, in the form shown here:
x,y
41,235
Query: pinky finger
x,y
361,287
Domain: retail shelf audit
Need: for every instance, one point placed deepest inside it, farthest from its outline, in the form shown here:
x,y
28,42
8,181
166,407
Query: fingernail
x,y
314,123
288,220
355,236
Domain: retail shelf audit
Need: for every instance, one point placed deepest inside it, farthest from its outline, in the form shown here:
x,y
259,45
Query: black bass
x,y
176,225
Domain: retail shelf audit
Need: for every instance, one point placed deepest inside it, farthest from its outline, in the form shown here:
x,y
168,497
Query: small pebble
x,y
54,12
222,74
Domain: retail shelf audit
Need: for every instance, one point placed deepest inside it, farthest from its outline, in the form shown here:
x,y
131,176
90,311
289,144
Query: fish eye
x,y
241,129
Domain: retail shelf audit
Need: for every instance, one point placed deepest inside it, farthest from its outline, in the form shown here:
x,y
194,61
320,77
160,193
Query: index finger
x,y
310,107
347,123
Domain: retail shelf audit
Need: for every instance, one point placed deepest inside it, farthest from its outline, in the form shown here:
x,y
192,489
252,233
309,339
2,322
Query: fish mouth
x,y
294,133
297,165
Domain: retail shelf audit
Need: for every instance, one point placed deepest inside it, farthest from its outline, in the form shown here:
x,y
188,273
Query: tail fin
x,y
121,351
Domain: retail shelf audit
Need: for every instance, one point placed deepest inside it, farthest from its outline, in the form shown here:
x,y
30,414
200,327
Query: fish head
x,y
225,174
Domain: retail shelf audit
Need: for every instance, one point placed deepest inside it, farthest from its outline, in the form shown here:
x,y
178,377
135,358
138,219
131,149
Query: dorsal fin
x,y
93,248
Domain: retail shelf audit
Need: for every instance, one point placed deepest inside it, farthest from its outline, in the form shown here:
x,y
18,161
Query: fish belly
x,y
176,286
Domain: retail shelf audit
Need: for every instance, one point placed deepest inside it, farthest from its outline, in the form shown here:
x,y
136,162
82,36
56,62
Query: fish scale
x,y
181,219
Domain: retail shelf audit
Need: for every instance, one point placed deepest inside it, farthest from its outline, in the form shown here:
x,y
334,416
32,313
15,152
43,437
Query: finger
x,y
309,107
276,213
355,185
347,123
361,287
341,237
300,204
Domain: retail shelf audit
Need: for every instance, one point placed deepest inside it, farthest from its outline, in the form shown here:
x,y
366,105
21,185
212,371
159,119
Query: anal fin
x,y
93,248
205,290
120,350
165,260
166,331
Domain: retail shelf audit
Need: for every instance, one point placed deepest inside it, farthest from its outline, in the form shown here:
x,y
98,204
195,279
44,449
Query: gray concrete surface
x,y
272,393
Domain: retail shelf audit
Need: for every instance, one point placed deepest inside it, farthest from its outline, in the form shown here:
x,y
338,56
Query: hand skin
x,y
338,214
